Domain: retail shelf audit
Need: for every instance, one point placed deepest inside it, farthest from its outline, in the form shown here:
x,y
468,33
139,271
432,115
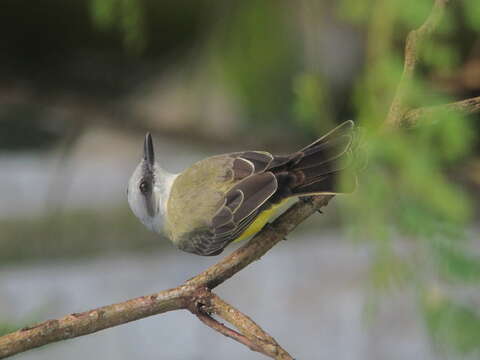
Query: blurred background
x,y
391,271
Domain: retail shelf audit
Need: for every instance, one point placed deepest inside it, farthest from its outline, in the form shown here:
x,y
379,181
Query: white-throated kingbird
x,y
230,197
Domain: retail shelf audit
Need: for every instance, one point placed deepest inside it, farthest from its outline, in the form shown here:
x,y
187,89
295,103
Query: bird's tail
x,y
325,166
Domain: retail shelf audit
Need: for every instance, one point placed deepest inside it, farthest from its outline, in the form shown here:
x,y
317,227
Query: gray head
x,y
149,188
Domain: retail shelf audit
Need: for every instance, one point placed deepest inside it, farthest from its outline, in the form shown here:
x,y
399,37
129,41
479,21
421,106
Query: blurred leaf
x,y
451,325
374,91
132,22
440,55
103,13
404,185
311,103
127,15
354,11
257,52
455,261
472,13
413,13
406,188
388,271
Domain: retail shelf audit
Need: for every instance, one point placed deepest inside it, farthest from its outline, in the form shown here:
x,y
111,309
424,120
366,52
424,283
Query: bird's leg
x,y
268,226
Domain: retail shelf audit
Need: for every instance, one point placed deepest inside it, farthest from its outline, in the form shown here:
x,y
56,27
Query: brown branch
x,y
226,331
468,106
182,297
414,39
248,328
88,322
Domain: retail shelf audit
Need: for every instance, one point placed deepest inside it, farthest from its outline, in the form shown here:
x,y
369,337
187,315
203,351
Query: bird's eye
x,y
144,187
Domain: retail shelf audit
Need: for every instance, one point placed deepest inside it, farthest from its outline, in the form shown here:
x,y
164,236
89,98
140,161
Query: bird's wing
x,y
233,189
241,205
250,189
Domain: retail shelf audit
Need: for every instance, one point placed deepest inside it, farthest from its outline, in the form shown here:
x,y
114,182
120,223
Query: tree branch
x,y
414,39
88,322
181,297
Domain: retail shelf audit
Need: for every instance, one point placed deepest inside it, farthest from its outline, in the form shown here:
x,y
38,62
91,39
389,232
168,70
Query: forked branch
x,y
414,40
251,335
185,296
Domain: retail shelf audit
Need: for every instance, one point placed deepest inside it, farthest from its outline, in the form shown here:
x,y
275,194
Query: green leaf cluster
x,y
126,16
417,219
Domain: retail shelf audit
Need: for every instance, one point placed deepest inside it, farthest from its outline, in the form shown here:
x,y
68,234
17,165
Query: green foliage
x,y
440,55
454,327
311,103
125,15
472,13
257,57
389,271
454,261
353,11
412,13
406,189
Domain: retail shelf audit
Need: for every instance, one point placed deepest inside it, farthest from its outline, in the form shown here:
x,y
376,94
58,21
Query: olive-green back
x,y
196,194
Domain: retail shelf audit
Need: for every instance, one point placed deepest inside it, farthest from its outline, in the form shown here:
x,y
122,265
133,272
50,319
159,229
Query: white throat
x,y
163,186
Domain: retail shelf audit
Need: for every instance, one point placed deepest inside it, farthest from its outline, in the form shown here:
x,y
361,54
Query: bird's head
x,y
148,189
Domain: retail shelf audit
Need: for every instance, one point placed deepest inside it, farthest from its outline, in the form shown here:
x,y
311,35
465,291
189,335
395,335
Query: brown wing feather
x,y
239,209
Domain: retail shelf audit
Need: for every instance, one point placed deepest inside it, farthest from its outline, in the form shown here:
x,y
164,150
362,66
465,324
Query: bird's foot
x,y
307,199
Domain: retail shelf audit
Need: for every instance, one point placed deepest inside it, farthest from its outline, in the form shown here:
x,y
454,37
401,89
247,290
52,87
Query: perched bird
x,y
230,197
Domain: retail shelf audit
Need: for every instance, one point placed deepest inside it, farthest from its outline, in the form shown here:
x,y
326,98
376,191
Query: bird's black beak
x,y
148,153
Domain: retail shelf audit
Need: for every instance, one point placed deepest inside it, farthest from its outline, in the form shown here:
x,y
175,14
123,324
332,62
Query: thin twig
x,y
251,335
226,331
414,39
468,106
248,328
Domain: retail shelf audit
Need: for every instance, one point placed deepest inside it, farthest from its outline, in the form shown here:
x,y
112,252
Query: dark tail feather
x,y
345,128
319,168
333,183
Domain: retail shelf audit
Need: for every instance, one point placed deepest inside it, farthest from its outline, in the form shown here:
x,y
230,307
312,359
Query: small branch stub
x,y
204,303
468,106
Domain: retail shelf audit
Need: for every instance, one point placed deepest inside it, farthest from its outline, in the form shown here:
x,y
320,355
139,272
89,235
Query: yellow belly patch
x,y
259,222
